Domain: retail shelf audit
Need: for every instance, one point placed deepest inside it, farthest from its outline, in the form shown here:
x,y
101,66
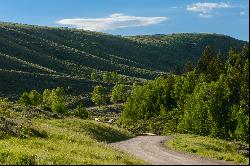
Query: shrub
x,y
59,107
98,95
25,99
81,112
33,98
119,93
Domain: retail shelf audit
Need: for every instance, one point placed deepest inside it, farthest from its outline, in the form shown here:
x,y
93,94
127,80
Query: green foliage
x,y
33,98
46,98
59,107
119,93
53,99
107,77
239,116
146,102
98,95
205,60
206,110
25,99
209,64
94,75
211,100
56,100
81,112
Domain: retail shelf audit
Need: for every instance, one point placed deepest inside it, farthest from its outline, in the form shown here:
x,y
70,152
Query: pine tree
x,y
206,58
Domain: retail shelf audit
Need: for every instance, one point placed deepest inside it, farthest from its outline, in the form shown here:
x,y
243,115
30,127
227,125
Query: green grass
x,y
210,147
68,141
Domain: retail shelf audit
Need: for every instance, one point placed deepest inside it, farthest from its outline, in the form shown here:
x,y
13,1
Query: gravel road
x,y
152,150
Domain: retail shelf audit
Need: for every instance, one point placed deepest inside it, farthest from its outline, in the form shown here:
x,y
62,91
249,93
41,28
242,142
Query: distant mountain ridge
x,y
36,57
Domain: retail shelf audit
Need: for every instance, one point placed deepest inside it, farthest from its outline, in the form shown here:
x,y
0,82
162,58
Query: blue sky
x,y
134,17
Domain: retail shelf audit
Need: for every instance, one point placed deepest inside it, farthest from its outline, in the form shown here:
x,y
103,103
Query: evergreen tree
x,y
204,61
216,67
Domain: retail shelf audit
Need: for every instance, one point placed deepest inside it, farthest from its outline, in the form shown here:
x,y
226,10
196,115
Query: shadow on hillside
x,y
106,133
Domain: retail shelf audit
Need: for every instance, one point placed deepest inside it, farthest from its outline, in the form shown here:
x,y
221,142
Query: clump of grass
x,y
211,147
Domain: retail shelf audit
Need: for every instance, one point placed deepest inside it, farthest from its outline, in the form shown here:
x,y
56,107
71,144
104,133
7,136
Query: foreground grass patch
x,y
210,147
69,141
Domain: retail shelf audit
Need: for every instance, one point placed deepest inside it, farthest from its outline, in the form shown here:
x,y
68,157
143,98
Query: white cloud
x,y
242,13
205,15
205,9
114,21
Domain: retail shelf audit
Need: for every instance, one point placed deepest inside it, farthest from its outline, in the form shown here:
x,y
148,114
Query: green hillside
x,y
35,57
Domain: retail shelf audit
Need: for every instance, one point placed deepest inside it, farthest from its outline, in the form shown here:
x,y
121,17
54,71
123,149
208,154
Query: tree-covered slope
x,y
177,49
30,54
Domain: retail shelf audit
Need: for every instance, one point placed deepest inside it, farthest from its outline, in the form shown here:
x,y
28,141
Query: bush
x,y
53,99
59,107
81,112
32,98
119,93
25,99
98,95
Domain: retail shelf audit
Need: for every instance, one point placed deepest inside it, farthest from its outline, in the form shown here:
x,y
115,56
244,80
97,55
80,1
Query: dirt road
x,y
152,150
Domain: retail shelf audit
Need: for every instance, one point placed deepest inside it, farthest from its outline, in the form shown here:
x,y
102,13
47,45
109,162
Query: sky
x,y
134,17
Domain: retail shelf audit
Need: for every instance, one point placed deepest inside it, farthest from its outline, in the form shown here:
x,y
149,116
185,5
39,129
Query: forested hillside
x,y
34,57
211,99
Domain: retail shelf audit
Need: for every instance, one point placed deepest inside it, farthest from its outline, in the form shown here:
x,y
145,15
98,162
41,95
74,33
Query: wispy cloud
x,y
113,21
205,15
205,9
242,13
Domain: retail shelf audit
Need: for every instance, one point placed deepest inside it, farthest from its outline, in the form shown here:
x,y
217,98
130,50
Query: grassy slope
x,y
31,135
210,147
69,141
32,51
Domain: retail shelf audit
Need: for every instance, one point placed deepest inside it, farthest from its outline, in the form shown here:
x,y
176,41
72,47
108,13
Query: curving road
x,y
152,150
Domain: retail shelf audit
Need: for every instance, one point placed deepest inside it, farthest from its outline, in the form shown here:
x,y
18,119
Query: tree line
x,y
209,99
55,99
52,100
